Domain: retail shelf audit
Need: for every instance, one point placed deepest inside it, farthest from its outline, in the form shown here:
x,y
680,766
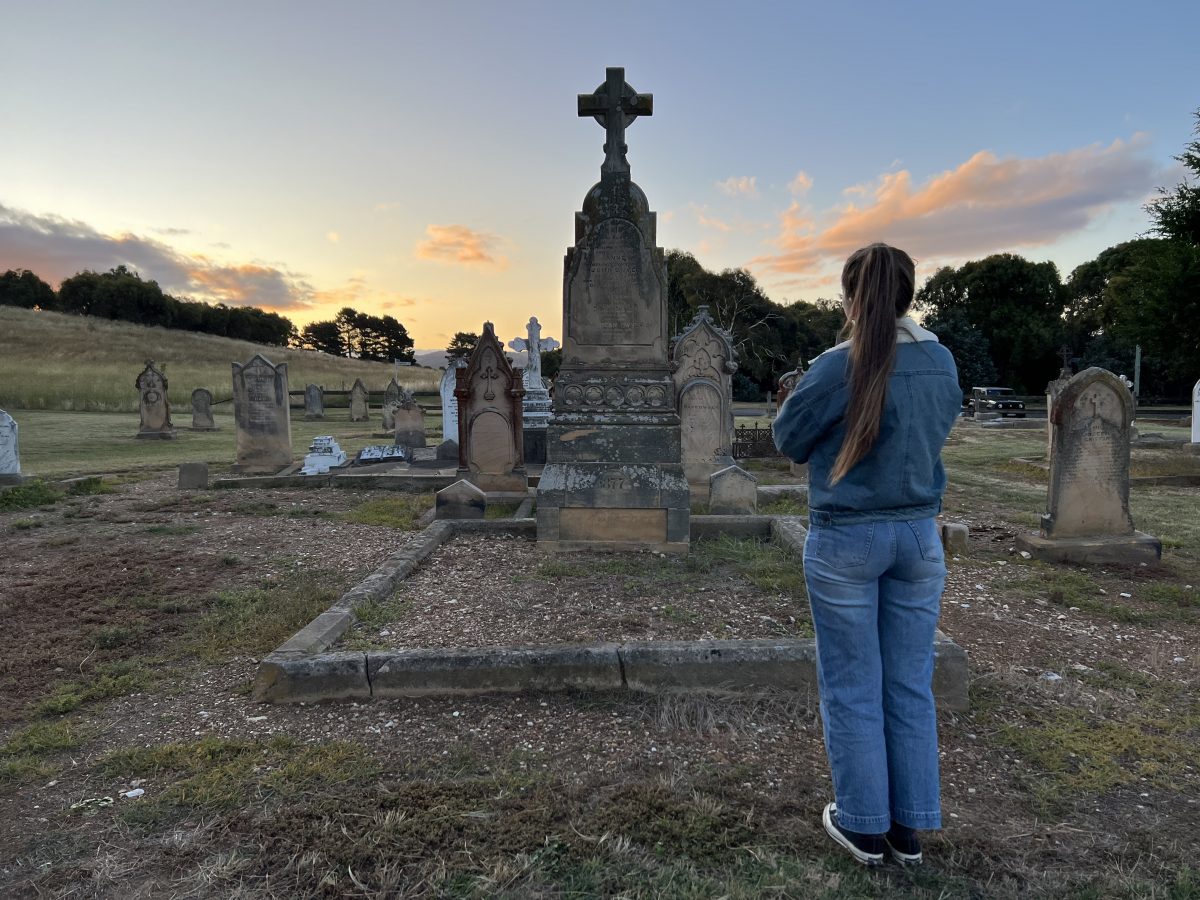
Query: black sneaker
x,y
866,848
904,844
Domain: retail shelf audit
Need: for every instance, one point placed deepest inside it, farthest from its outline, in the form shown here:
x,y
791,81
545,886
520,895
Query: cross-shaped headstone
x,y
534,344
615,105
1065,352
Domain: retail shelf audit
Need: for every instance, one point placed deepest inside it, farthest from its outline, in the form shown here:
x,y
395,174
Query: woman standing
x,y
870,418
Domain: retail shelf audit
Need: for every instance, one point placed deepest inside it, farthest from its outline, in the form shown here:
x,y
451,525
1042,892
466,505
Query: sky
x,y
425,160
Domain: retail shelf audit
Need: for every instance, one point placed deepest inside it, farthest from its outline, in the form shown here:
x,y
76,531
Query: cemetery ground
x,y
134,616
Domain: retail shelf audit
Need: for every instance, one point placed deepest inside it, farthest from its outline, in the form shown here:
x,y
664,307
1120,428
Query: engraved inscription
x,y
615,298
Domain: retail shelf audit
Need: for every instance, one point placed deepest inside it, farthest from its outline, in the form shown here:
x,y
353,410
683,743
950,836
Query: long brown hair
x,y
878,283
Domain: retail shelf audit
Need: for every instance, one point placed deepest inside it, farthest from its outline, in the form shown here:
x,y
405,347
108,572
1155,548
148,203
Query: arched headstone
x,y
314,401
1088,518
263,417
153,407
359,402
202,417
489,393
391,400
703,363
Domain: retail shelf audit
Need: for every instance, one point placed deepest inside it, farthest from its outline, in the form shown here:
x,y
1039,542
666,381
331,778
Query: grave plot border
x,y
303,669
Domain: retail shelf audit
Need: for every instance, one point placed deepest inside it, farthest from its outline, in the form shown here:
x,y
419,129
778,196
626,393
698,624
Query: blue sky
x,y
425,160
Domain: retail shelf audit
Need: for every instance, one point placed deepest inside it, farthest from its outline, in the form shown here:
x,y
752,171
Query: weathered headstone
x,y
613,476
447,450
1089,519
489,393
732,492
1196,413
193,476
202,417
537,405
260,409
461,500
787,383
391,399
323,454
703,360
449,402
153,406
10,456
360,409
408,421
314,401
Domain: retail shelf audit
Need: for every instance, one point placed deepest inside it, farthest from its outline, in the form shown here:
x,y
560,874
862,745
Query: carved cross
x,y
1065,352
488,375
615,105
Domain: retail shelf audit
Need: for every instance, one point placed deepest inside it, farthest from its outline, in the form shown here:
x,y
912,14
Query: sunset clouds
x,y
985,205
461,245
744,186
55,248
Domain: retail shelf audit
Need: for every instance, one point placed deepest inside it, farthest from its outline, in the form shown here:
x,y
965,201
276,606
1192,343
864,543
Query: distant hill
x,y
53,360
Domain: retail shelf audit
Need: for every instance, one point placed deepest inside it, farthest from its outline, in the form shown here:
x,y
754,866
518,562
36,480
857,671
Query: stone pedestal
x,y
614,477
1129,550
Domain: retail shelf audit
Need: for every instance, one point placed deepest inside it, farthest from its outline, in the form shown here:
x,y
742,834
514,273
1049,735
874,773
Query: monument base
x,y
515,483
1130,549
204,428
312,418
155,435
259,468
606,506
535,446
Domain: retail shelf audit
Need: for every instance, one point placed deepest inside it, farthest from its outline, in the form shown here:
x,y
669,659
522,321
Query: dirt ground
x,y
133,621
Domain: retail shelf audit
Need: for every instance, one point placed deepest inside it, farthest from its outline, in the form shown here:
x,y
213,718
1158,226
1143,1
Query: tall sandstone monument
x,y
613,477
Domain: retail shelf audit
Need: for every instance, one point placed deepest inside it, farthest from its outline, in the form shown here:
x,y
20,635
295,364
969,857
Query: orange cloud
x,y
734,187
801,183
460,244
985,205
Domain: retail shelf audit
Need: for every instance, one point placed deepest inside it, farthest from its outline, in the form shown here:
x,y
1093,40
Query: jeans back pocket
x,y
929,539
843,546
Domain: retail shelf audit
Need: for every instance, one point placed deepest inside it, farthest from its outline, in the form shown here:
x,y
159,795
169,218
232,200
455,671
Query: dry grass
x,y
51,360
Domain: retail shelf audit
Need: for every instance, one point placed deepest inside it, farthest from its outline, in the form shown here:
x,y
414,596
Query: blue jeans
x,y
875,590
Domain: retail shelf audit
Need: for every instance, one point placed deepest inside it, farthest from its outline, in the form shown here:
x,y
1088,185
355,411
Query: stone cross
x,y
1065,352
534,344
615,105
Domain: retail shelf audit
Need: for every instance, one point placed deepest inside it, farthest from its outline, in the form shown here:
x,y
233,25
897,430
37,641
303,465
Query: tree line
x,y
122,294
359,336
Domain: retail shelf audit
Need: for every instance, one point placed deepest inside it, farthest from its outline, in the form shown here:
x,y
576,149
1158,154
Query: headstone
x,y
461,500
449,402
1089,519
770,405
391,399
202,417
314,401
489,396
359,401
537,405
193,476
1053,389
155,411
613,477
703,361
408,421
260,409
732,492
323,454
1196,413
10,456
787,383
954,538
447,450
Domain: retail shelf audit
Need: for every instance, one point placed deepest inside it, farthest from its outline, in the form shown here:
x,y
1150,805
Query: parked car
x,y
999,400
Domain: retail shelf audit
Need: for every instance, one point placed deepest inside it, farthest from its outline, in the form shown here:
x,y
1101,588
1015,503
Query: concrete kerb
x,y
301,669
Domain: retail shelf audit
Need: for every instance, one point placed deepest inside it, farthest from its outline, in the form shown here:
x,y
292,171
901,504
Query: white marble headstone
x,y
449,401
1196,413
10,458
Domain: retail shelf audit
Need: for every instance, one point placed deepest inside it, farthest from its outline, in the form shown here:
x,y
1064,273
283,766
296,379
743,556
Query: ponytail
x,y
878,283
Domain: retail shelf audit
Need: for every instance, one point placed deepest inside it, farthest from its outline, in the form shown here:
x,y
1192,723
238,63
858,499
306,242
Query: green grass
x,y
255,620
29,496
400,511
784,506
24,757
107,681
55,361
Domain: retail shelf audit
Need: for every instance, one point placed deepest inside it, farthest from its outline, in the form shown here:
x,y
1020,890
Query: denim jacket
x,y
902,476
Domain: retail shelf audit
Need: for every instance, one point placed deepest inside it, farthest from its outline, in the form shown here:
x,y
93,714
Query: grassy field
x,y
50,360
63,444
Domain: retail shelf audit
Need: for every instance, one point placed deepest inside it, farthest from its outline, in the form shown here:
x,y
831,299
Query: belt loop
x,y
818,517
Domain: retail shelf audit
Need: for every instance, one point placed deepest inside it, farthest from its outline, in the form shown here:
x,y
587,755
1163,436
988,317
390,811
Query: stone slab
x,y
415,483
271,481
732,526
285,678
1124,550
193,476
482,670
720,666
